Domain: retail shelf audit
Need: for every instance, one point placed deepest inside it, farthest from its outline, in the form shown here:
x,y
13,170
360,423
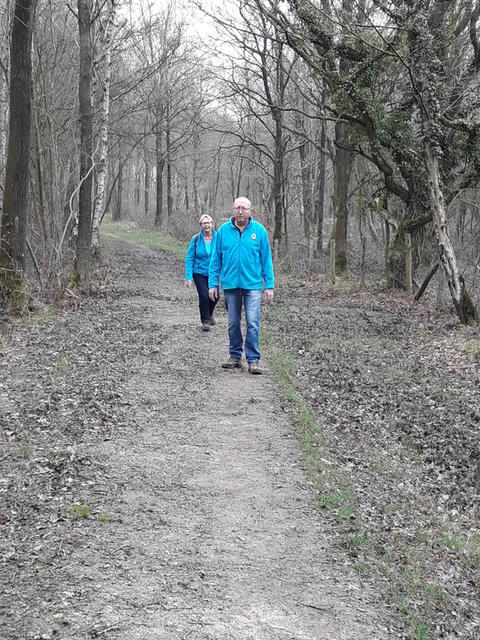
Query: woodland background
x,y
352,126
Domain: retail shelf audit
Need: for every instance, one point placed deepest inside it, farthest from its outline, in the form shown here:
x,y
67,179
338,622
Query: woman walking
x,y
197,262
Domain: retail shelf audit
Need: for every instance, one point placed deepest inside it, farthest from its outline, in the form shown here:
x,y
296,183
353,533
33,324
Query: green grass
x,y
62,365
467,548
25,451
356,542
333,488
421,629
105,518
79,512
472,348
129,233
40,316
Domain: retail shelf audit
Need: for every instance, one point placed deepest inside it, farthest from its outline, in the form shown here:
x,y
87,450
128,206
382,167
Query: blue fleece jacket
x,y
243,259
198,259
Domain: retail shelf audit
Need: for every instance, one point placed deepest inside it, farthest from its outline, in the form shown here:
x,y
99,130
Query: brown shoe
x,y
254,368
232,363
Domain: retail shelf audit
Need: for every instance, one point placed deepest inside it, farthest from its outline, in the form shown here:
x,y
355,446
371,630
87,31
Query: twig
x,y
322,607
71,293
37,268
96,633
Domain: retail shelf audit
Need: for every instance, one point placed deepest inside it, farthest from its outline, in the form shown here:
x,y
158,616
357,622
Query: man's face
x,y
241,211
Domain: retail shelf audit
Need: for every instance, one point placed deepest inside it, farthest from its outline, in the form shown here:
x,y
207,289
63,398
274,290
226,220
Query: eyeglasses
x,y
242,208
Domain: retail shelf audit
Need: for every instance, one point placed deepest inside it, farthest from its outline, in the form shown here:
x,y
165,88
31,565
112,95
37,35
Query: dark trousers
x,y
205,304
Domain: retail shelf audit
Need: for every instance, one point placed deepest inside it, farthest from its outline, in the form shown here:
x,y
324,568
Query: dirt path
x,y
147,493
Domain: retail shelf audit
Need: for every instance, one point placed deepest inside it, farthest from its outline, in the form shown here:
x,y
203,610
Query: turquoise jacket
x,y
197,259
242,260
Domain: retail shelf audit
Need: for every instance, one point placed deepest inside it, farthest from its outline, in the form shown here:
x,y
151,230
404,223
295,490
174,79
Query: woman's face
x,y
206,225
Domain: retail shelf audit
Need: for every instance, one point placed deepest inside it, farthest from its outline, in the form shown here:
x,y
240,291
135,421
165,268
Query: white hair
x,y
244,202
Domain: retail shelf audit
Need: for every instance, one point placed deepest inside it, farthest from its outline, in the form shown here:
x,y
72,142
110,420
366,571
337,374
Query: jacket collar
x,y
232,220
201,233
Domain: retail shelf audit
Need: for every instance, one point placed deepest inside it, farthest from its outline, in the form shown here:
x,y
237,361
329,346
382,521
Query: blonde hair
x,y
205,217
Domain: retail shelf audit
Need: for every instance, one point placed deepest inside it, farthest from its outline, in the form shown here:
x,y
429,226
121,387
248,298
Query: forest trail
x,y
147,493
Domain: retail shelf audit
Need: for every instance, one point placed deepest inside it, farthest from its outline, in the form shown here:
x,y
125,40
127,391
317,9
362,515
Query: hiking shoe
x,y
206,326
213,322
232,363
254,368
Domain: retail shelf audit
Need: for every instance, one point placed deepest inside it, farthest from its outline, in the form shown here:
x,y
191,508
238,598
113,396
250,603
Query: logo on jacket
x,y
254,235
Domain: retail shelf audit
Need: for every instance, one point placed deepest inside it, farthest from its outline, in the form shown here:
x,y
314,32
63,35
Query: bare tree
x,y
15,202
382,94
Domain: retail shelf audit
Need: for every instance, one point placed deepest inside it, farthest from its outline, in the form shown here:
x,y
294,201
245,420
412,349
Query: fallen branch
x,y
425,283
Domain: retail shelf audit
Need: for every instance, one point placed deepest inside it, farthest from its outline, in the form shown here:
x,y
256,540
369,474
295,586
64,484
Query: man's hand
x,y
188,284
268,293
213,294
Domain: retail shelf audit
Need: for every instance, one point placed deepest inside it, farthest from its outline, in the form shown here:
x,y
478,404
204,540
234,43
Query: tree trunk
x,y
187,199
106,43
463,304
146,200
216,183
319,191
15,202
427,47
117,209
169,167
84,236
238,183
196,197
277,187
159,194
3,131
37,162
341,166
307,191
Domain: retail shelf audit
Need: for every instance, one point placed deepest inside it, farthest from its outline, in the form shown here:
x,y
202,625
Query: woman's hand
x,y
188,284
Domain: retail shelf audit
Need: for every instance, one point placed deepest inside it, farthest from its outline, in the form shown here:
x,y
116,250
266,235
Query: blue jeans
x,y
251,301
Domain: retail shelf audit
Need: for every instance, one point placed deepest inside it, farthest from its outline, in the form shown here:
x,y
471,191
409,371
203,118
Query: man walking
x,y
241,257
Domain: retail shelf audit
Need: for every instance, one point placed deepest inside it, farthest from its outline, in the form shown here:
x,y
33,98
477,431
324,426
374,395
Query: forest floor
x,y
148,493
